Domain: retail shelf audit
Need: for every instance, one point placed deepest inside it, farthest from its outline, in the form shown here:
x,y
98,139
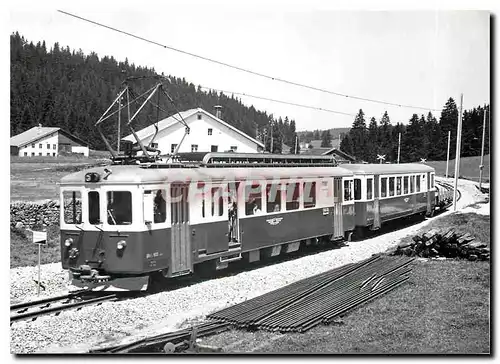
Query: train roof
x,y
387,168
135,174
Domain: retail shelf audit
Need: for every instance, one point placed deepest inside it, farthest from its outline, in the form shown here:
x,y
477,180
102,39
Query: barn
x,y
48,142
207,133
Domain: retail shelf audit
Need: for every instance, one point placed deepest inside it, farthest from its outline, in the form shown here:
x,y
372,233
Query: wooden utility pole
x,y
448,154
271,139
457,154
119,123
481,166
399,146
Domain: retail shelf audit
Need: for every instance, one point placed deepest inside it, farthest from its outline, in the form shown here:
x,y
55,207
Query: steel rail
x,y
24,305
65,307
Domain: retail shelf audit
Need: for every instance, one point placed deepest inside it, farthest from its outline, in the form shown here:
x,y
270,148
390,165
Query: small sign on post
x,y
40,238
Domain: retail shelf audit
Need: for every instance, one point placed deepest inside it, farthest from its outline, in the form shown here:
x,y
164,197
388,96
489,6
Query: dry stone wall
x,y
29,214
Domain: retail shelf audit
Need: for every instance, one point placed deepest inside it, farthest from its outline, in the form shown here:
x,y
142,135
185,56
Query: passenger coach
x,y
384,192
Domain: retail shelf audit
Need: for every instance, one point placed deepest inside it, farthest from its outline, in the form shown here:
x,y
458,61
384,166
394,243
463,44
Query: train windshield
x,y
119,207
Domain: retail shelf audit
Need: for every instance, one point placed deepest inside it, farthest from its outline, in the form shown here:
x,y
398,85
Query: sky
x,y
403,56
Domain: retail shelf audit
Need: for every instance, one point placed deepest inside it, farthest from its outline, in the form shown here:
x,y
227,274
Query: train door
x,y
376,203
181,262
338,221
232,216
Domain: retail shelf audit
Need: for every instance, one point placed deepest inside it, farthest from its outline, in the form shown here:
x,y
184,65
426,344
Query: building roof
x,y
340,153
31,135
387,168
174,119
38,132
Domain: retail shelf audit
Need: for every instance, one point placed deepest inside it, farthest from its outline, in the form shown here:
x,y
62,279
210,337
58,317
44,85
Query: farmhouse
x,y
46,141
207,133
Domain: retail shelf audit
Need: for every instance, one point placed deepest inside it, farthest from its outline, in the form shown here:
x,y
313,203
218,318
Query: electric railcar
x,y
122,224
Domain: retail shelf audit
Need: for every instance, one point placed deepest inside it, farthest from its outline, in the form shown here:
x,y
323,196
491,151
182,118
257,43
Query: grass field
x,y
469,168
36,178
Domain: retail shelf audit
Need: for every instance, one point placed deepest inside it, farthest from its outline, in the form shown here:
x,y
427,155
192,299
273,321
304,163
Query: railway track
x,y
55,305
447,197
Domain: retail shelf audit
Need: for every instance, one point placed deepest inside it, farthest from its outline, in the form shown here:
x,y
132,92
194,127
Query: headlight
x,y
68,242
121,245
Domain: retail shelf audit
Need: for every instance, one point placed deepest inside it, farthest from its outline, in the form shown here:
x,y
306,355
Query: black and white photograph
x,y
195,178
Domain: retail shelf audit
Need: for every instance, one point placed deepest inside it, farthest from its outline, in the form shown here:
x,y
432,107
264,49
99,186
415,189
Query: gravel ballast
x,y
120,322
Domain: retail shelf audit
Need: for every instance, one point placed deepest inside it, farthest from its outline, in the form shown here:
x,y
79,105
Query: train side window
x,y
94,215
119,208
391,186
253,201
309,194
159,205
383,187
217,201
357,189
398,186
292,196
432,180
348,190
369,188
273,197
72,205
418,184
405,185
412,184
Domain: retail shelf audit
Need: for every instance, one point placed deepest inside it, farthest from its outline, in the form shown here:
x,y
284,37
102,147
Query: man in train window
x,y
160,207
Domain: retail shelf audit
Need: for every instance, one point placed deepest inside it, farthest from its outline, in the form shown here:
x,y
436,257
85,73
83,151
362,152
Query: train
x,y
126,224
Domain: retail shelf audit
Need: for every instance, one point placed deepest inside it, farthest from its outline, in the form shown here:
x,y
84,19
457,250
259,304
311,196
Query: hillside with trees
x,y
64,88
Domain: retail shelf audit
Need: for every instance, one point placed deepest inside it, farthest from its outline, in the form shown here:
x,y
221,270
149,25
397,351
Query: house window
x,y
40,145
40,153
54,146
25,154
48,146
209,131
233,148
172,148
33,145
48,154
53,154
153,145
32,154
199,116
194,147
214,148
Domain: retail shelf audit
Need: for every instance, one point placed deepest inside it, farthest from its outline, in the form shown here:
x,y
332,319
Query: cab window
x,y
159,205
72,207
94,214
119,207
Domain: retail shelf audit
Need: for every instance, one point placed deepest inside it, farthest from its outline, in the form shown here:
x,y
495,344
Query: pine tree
x,y
448,121
326,139
358,135
372,143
